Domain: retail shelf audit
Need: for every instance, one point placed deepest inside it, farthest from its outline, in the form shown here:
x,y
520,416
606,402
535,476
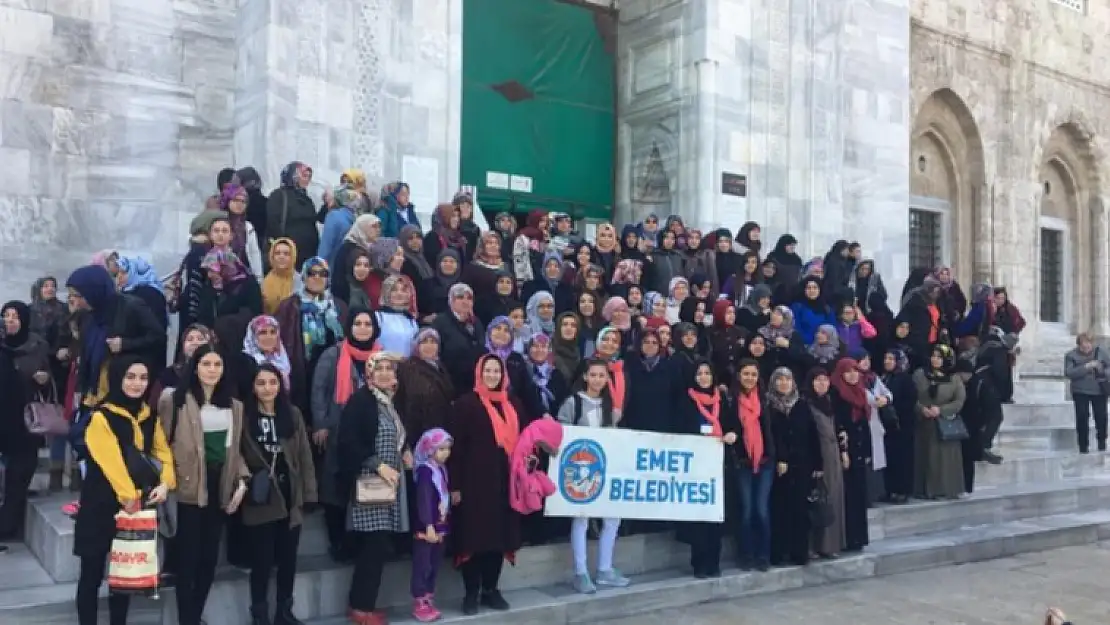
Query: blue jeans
x,y
754,523
58,446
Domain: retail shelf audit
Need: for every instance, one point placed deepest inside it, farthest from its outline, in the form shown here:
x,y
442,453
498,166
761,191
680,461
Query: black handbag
x,y
260,488
889,418
1103,381
817,504
952,430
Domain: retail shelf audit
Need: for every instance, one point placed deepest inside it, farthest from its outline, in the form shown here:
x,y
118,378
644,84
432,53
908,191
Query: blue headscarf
x,y
95,284
319,315
139,273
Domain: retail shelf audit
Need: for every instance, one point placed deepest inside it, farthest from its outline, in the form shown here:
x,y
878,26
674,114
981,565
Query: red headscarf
x,y
720,307
852,394
506,425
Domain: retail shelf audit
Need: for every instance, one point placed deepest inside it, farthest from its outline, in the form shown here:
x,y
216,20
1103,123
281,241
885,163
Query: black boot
x,y
470,605
492,599
284,614
260,615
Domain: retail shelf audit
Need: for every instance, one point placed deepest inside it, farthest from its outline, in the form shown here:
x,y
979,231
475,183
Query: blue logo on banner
x,y
582,471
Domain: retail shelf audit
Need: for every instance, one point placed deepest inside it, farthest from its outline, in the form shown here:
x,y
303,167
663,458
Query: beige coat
x,y
188,451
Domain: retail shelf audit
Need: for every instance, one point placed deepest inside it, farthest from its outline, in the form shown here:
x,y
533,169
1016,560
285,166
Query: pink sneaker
x,y
424,611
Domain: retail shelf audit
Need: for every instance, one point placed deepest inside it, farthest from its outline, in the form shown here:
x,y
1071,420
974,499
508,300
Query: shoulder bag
x,y
261,484
952,430
820,512
373,490
44,415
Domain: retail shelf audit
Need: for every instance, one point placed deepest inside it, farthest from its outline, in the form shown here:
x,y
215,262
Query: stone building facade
x,y
969,133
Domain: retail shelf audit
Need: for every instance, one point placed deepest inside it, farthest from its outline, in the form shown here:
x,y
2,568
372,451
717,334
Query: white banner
x,y
627,474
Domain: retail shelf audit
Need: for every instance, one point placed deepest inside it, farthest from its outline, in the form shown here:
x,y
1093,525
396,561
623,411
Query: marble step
x,y
1041,388
323,584
1036,438
1058,413
1036,467
558,604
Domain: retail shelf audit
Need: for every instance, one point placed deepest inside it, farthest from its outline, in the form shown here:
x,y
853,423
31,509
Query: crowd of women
x,y
382,372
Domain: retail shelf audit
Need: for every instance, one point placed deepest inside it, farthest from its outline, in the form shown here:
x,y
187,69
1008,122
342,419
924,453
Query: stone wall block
x,y
25,125
26,33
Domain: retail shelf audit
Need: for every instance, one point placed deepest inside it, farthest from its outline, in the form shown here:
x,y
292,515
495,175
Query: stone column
x,y
1100,292
706,178
983,207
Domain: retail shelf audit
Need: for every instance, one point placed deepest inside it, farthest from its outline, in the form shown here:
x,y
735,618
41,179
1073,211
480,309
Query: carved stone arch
x,y
654,171
1069,183
945,130
1071,129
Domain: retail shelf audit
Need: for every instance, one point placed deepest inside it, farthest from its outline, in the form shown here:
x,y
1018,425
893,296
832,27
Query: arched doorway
x,y
1066,234
946,182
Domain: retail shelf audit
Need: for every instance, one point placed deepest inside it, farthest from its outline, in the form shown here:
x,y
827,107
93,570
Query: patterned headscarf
x,y
224,268
783,331
778,401
424,455
536,325
357,232
319,314
348,196
626,271
291,173
649,302
139,273
356,179
828,351
381,252
503,351
423,335
279,358
388,198
238,221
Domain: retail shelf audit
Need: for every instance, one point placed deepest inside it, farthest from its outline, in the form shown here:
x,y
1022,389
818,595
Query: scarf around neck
x,y
750,409
709,406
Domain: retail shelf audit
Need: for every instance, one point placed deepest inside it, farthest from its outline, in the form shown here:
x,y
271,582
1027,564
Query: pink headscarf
x,y
528,487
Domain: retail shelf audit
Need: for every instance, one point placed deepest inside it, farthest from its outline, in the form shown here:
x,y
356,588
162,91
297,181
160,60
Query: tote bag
x,y
133,560
45,416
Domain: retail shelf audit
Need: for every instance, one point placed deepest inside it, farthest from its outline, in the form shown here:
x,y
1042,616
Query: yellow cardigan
x,y
105,450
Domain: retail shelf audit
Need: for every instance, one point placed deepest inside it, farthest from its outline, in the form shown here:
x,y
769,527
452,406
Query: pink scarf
x,y
528,487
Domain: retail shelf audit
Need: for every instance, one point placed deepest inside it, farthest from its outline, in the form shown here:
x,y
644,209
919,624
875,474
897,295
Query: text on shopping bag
x,y
637,475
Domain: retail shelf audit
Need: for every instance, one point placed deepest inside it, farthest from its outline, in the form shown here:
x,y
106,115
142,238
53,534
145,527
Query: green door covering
x,y
537,101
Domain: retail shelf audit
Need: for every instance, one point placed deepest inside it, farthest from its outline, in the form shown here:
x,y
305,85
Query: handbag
x,y
133,560
373,490
261,484
817,505
45,416
1103,381
952,430
889,418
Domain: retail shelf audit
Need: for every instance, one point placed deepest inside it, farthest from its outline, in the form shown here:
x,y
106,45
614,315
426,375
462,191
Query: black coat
x,y
142,335
14,436
652,395
459,350
796,441
340,285
525,388
292,214
229,312
916,313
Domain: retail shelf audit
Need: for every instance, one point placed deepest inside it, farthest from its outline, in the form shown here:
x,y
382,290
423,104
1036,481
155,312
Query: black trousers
x,y
482,572
705,546
790,517
198,551
88,587
972,452
335,519
366,581
20,470
273,545
1084,406
239,548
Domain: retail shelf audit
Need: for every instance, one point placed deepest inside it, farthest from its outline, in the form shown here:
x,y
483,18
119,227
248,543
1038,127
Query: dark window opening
x,y
925,239
1052,275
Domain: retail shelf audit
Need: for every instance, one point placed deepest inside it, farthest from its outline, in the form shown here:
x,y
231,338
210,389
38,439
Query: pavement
x,y
1008,591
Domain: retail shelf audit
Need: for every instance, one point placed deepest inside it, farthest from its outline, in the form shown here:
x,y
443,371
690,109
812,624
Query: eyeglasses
x,y
651,221
546,306
318,274
467,296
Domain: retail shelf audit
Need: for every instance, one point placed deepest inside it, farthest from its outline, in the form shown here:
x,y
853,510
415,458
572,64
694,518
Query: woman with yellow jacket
x,y
204,424
283,279
120,428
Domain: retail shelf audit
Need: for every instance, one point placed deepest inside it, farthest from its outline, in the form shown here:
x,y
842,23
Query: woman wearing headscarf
x,y
590,279
838,267
291,213
826,348
540,313
464,202
880,398
755,311
386,259
485,424
667,264
123,421
921,310
938,464
628,273
677,292
230,297
482,272
338,221
416,266
551,280
372,443
786,259
395,210
828,541
632,244
853,410
699,258
608,247
952,301
49,316
340,372
311,321
432,294
256,203
501,301
748,237
674,225
394,318
282,279
446,234
547,388
784,345
137,277
424,390
358,279
462,337
366,229
748,275
899,439
726,339
798,464
244,242
650,404
565,344
30,356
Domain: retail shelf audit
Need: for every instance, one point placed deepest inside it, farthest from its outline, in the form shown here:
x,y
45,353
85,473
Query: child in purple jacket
x,y
433,506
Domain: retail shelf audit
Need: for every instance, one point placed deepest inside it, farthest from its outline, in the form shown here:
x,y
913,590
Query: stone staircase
x,y
1045,495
